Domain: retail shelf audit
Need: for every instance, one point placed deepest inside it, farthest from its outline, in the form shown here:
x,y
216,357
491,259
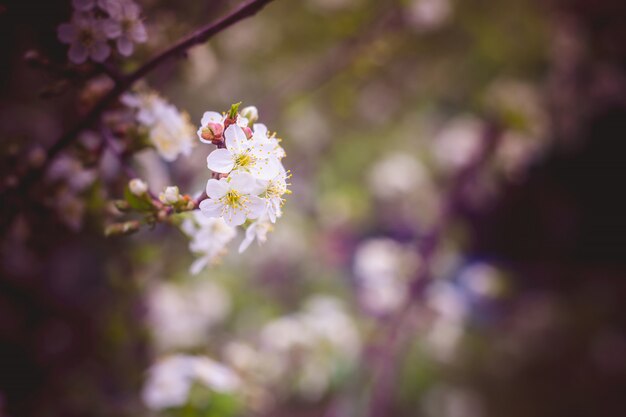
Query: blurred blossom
x,y
209,237
308,129
458,143
86,38
71,171
482,279
170,380
310,348
70,209
397,174
383,269
153,168
182,316
448,325
516,152
428,14
124,25
169,130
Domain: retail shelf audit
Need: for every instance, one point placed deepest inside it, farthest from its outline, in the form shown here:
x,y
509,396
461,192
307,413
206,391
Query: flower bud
x,y
137,187
247,131
212,131
251,113
171,195
125,228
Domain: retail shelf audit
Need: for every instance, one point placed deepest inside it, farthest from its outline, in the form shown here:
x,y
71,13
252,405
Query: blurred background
x,y
454,244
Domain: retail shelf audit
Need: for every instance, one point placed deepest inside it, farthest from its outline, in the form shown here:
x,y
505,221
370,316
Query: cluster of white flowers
x,y
169,130
95,22
170,380
247,185
313,346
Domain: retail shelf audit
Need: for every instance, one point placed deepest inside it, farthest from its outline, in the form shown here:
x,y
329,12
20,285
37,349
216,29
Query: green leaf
x,y
139,203
234,109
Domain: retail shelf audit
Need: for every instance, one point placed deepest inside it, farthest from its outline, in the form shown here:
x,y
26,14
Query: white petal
x,y
198,265
138,33
242,121
125,46
260,130
266,169
250,235
236,140
216,188
220,160
257,207
242,182
234,217
210,117
211,208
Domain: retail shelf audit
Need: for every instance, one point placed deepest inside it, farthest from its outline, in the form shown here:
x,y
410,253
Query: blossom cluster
x,y
247,185
169,130
96,22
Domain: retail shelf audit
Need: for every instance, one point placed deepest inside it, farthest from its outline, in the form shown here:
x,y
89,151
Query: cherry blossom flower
x,y
137,187
261,134
209,237
212,126
125,25
253,156
233,199
257,230
86,38
170,130
272,192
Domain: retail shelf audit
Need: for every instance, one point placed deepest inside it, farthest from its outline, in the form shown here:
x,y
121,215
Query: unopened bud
x,y
171,195
251,113
137,187
212,131
247,131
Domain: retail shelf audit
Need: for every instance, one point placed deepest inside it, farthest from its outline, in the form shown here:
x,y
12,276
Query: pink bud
x,y
247,131
212,131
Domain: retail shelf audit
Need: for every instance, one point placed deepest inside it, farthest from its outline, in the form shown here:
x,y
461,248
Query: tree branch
x,y
245,10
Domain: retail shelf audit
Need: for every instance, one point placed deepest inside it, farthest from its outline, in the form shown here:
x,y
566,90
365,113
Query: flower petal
x,y
257,207
234,217
210,117
112,28
100,51
198,265
242,182
250,235
265,169
236,140
211,208
125,46
216,188
220,160
78,53
66,32
260,130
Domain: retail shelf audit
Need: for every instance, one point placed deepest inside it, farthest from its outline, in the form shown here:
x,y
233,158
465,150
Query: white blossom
x,y
86,38
233,199
171,195
251,113
125,25
253,156
258,231
170,380
212,126
137,186
170,130
209,237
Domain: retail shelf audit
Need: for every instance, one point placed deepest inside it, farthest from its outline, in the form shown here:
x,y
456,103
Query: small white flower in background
x,y
458,143
428,14
251,113
182,316
171,195
170,380
137,187
86,38
209,237
170,130
253,156
382,268
125,26
233,199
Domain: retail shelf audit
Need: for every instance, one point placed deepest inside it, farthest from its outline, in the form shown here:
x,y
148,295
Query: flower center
x,y
244,160
234,199
86,37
